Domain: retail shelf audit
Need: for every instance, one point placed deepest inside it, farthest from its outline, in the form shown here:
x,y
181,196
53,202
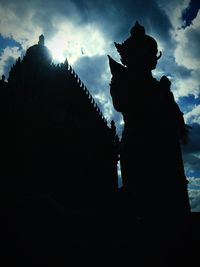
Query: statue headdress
x,y
137,44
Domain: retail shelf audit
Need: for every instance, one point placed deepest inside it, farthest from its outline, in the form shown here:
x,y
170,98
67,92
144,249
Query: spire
x,y
41,40
137,30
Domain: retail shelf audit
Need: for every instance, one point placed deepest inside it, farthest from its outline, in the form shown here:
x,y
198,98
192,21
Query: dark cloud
x,y
192,163
118,17
187,102
194,36
190,13
91,69
168,67
8,42
191,152
179,71
193,145
194,200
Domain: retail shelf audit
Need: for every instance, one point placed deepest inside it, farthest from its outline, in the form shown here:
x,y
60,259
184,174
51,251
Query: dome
x,y
38,53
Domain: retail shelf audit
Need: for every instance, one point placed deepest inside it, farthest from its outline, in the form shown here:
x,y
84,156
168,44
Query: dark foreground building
x,y
55,139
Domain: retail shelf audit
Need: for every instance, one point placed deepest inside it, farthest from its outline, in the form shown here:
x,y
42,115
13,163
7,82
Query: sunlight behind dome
x,y
57,48
70,42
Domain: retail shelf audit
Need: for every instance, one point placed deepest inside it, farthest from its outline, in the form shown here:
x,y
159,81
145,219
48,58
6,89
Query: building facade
x,y
55,139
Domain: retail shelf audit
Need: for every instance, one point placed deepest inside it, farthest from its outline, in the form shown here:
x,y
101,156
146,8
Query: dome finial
x,y
41,40
137,30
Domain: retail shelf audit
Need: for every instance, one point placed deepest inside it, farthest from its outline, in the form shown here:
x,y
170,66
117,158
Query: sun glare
x,y
71,43
57,48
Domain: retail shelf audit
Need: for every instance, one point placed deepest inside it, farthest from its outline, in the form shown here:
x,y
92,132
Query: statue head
x,y
139,51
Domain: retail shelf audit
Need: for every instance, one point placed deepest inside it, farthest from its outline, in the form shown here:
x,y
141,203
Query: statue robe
x,y
150,152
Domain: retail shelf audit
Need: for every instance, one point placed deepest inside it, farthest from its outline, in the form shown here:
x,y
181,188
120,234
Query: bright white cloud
x,y
186,49
194,183
8,56
194,196
192,163
188,40
23,30
106,104
188,86
194,115
72,42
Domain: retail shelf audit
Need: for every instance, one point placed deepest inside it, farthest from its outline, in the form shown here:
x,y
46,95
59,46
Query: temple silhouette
x,y
56,140
60,195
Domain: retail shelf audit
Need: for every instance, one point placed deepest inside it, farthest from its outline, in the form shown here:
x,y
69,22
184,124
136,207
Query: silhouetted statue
x,y
150,155
41,40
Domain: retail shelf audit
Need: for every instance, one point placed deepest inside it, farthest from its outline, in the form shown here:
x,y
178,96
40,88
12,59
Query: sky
x,y
84,32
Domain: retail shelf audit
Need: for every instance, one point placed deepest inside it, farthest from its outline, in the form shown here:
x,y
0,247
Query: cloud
x,y
192,163
194,183
95,73
191,152
193,115
185,86
182,64
174,10
188,39
114,17
193,145
70,41
186,54
194,196
14,24
7,58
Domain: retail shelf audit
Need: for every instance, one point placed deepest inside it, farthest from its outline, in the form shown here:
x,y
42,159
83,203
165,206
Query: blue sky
x,y
83,31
